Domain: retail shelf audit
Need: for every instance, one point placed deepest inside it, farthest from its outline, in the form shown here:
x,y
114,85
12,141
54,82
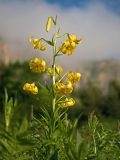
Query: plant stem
x,y
95,149
53,66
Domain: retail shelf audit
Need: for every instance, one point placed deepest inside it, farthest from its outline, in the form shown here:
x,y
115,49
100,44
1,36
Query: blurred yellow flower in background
x,y
37,65
37,43
30,88
73,77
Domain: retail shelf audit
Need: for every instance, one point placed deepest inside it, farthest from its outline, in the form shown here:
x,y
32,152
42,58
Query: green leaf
x,y
23,126
6,146
48,87
24,157
49,42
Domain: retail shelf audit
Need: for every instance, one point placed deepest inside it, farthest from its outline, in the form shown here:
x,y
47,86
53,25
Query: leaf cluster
x,y
52,136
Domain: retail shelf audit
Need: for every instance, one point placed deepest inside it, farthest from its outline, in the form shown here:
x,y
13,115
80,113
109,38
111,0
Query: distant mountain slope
x,y
101,72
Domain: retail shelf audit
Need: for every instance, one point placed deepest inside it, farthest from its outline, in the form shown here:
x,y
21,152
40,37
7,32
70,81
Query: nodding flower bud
x,y
48,25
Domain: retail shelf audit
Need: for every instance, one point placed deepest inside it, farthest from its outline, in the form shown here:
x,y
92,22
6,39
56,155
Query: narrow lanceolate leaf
x,y
6,146
60,116
73,151
23,126
48,87
24,157
48,42
42,86
9,107
80,149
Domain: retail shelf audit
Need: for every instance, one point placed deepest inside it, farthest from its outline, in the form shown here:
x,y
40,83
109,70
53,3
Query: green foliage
x,y
52,136
105,143
92,99
8,110
101,144
112,106
24,138
15,140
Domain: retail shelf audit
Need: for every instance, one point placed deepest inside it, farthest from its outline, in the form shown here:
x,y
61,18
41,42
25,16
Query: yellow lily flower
x,y
37,44
37,65
64,88
30,88
69,102
70,44
73,77
49,71
67,47
73,38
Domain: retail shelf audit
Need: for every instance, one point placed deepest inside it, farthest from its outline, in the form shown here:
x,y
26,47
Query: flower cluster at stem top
x,y
62,84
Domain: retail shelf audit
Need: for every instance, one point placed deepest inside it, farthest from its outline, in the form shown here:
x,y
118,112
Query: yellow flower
x,y
64,88
37,65
73,77
49,71
69,102
37,43
30,88
70,44
73,38
48,25
67,47
42,48
58,70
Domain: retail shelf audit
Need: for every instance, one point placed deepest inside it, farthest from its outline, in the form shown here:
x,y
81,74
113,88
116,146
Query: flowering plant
x,y
61,84
53,117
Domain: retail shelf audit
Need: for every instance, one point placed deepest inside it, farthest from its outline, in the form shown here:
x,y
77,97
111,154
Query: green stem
x,y
62,77
53,66
62,35
60,99
95,149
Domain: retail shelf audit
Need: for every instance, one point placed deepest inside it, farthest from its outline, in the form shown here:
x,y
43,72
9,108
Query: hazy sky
x,y
97,21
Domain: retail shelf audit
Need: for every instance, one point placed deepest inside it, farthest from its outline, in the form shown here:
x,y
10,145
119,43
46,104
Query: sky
x,y
96,21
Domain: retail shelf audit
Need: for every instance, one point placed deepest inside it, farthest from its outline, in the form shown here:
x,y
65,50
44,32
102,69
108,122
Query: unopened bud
x,y
48,25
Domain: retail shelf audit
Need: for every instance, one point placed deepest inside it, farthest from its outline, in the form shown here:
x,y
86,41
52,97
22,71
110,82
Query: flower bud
x,y
48,25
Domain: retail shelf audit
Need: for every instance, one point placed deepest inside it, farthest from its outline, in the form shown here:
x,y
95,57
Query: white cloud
x,y
99,27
